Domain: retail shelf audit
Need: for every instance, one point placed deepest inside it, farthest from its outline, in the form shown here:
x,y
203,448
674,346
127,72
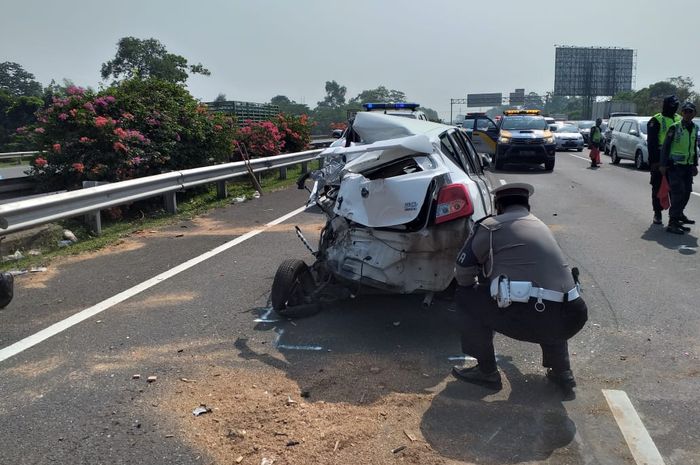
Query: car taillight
x,y
453,202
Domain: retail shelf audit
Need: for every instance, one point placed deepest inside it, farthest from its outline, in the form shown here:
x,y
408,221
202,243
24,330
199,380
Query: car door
x,y
622,139
485,135
469,160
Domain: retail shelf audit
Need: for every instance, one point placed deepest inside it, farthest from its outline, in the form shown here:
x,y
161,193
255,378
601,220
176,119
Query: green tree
x,y
16,81
335,95
431,114
290,107
16,112
379,95
148,58
221,97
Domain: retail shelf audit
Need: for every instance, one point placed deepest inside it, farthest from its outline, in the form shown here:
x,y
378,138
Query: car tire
x,y
549,165
613,155
580,149
639,160
292,283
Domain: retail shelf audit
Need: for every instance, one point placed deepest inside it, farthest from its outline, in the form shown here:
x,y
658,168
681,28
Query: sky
x,y
433,50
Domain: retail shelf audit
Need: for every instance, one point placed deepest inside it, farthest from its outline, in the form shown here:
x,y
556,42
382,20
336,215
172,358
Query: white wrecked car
x,y
400,201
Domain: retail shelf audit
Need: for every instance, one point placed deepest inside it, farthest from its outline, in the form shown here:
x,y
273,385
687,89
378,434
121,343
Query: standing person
x,y
595,137
657,127
679,162
525,290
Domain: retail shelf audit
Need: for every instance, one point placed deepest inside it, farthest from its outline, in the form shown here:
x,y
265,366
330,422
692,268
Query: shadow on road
x,y
685,244
520,168
361,350
463,424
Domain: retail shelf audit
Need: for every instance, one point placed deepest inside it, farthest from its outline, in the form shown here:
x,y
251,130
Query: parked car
x,y
629,141
585,129
525,137
567,136
399,204
612,126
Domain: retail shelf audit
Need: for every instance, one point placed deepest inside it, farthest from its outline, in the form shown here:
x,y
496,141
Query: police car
x,y
524,137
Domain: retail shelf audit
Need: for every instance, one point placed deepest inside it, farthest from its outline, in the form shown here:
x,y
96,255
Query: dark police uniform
x,y
679,155
518,245
657,127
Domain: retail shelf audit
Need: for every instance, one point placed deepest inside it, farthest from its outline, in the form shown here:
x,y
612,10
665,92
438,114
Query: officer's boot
x,y
686,220
675,226
657,218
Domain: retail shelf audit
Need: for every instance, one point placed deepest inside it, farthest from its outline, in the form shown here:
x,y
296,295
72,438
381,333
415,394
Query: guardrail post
x,y
283,172
221,190
94,219
170,200
305,167
320,163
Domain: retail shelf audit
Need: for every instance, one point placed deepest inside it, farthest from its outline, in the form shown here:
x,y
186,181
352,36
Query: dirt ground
x,y
258,415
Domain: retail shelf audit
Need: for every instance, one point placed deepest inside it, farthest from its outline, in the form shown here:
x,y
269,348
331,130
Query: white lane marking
x,y
502,181
695,193
638,440
265,317
83,315
578,156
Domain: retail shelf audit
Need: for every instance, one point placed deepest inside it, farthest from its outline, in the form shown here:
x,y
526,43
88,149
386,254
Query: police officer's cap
x,y
514,188
689,106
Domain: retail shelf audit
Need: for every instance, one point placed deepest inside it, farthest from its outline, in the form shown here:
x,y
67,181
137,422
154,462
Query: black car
x,y
525,137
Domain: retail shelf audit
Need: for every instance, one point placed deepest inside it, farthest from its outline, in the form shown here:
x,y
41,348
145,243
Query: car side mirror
x,y
634,132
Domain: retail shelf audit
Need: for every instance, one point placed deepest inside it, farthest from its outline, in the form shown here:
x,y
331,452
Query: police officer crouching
x,y
513,279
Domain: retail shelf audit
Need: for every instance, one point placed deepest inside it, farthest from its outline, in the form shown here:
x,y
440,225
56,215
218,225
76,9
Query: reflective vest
x,y
683,144
595,130
664,123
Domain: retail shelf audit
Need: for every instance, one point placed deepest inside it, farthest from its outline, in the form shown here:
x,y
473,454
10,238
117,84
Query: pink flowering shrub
x,y
261,139
138,128
295,130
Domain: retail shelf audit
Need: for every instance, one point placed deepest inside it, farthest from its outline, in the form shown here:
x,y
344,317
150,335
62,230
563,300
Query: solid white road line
x,y
579,156
83,315
638,440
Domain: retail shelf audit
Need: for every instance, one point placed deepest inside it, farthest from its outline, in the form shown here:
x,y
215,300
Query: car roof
x,y
639,119
375,126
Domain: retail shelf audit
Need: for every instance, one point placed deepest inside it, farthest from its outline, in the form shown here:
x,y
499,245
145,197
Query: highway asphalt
x,y
71,398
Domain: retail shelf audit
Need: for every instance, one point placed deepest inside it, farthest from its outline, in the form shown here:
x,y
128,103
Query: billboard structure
x,y
517,97
484,100
591,72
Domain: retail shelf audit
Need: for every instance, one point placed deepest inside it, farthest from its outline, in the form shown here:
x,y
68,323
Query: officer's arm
x,y
468,265
652,140
666,150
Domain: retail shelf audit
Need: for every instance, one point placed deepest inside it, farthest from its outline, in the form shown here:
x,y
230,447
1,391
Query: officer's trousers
x,y
680,184
551,328
655,182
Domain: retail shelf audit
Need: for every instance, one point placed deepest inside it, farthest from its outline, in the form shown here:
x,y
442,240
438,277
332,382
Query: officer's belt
x,y
554,296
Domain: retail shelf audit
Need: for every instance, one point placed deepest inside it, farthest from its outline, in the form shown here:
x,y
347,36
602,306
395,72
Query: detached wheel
x,y
613,156
639,160
293,282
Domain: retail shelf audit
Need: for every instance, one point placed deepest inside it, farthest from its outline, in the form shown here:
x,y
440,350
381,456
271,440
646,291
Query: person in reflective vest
x,y
657,127
679,162
514,279
596,137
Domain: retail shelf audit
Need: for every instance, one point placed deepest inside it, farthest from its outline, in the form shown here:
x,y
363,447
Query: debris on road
x,y
152,379
65,243
201,410
266,461
238,200
409,436
239,459
69,236
34,253
137,376
623,357
185,380
374,370
398,449
291,443
14,257
290,401
335,448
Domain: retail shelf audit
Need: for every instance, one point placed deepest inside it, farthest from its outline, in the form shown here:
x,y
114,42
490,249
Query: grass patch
x,y
151,216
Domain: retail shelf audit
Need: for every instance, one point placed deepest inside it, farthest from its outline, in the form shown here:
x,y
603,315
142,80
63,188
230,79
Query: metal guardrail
x,y
13,155
24,214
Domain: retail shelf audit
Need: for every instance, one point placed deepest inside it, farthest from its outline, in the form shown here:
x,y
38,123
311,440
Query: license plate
x,y
526,152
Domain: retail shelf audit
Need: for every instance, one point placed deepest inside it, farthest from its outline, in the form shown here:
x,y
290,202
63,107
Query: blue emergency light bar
x,y
390,106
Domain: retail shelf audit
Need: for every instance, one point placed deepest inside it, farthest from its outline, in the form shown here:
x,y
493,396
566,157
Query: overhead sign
x,y
484,100
593,71
517,97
